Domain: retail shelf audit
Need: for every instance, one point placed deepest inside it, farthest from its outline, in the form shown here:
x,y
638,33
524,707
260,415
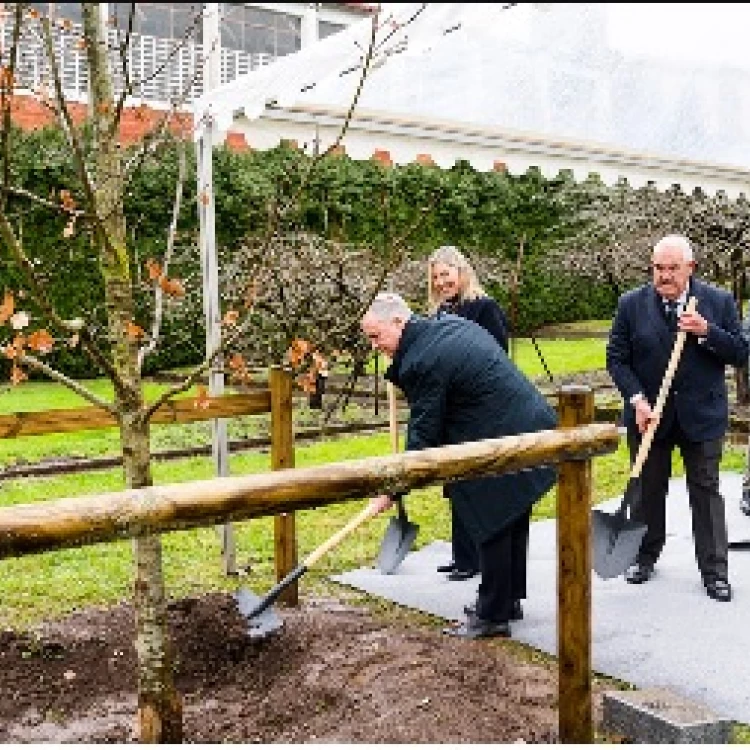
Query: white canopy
x,y
553,87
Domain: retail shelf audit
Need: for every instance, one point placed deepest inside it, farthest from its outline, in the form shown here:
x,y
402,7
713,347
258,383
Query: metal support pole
x,y
210,269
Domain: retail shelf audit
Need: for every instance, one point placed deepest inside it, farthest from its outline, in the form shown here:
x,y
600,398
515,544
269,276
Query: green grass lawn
x,y
563,356
39,586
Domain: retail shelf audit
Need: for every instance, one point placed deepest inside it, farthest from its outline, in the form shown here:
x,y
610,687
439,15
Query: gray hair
x,y
677,241
389,306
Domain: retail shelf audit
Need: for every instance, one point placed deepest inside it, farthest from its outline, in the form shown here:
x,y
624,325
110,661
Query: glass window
x,y
155,21
163,20
326,28
260,31
70,11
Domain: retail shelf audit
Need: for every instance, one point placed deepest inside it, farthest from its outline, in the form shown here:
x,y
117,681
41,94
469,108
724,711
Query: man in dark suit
x,y
461,387
696,413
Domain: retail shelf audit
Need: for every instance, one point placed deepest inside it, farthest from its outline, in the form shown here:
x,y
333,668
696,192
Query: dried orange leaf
x,y
17,375
6,309
134,331
153,268
67,200
172,287
202,399
236,362
41,341
306,381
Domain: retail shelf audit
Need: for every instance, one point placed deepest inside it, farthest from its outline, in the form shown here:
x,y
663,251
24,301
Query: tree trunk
x,y
159,706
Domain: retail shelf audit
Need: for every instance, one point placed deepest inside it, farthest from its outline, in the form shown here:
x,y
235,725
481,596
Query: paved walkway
x,y
664,633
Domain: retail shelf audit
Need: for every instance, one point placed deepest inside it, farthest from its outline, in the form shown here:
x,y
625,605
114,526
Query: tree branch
x,y
192,377
171,233
74,385
42,299
23,193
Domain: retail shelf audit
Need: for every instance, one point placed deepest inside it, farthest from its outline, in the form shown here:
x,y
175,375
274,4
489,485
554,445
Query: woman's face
x,y
446,280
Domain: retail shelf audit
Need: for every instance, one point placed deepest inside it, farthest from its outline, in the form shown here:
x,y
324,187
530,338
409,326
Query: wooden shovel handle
x,y
393,417
339,536
661,399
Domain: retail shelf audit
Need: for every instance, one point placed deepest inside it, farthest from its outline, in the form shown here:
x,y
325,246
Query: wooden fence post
x,y
574,498
282,457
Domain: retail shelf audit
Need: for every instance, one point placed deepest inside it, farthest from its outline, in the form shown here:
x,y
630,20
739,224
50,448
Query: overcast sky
x,y
682,31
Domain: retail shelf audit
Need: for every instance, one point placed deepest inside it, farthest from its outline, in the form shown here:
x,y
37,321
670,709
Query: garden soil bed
x,y
335,673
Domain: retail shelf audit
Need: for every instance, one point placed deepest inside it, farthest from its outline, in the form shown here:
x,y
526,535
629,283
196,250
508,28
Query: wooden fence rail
x,y
70,522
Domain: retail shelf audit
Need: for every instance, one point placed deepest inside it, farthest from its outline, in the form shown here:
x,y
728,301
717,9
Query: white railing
x,y
162,71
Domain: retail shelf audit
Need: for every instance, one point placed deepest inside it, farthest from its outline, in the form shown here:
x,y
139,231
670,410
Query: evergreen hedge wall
x,y
353,201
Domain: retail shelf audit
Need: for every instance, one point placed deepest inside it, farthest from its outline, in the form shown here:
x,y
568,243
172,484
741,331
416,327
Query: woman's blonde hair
x,y
468,287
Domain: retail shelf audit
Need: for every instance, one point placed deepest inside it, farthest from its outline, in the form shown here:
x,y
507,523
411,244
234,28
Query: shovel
x,y
264,621
401,532
616,537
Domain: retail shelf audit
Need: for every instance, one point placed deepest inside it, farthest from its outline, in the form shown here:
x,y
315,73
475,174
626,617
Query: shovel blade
x,y
396,545
264,623
615,543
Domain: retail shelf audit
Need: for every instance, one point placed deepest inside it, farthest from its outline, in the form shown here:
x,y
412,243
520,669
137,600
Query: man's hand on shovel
x,y
643,414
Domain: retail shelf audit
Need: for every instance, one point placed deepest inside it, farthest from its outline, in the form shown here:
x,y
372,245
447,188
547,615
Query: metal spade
x,y
260,619
398,540
616,538
401,532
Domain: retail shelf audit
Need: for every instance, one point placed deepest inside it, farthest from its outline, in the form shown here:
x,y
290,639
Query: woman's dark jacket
x,y
484,311
462,387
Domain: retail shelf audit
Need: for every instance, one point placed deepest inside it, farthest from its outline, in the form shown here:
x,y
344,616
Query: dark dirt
x,y
334,673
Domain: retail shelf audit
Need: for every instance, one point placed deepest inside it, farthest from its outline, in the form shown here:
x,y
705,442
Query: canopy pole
x,y
209,266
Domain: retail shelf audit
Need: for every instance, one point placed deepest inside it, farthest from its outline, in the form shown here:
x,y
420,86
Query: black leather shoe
x,y
461,575
639,573
718,589
745,503
475,627
449,568
516,612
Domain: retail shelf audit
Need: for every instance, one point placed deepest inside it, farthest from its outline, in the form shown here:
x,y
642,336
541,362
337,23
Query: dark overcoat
x,y
640,345
482,310
461,387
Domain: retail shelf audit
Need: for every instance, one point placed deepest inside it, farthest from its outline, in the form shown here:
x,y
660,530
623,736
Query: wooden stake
x,y
282,457
574,499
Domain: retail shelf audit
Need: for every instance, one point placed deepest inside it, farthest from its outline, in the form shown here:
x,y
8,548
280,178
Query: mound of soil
x,y
333,673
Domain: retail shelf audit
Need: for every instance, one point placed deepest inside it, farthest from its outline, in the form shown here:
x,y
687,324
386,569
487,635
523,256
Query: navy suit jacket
x,y
640,345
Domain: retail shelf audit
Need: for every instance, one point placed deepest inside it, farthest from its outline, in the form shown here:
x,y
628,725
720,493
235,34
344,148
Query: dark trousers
x,y
502,563
465,551
706,503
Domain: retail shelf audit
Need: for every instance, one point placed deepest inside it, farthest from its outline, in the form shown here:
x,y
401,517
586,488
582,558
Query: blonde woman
x,y
453,287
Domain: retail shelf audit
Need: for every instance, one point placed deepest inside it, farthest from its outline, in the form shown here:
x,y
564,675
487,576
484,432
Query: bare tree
x,y
94,206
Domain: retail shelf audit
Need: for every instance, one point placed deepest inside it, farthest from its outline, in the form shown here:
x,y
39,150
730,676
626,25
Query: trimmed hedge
x,y
353,201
